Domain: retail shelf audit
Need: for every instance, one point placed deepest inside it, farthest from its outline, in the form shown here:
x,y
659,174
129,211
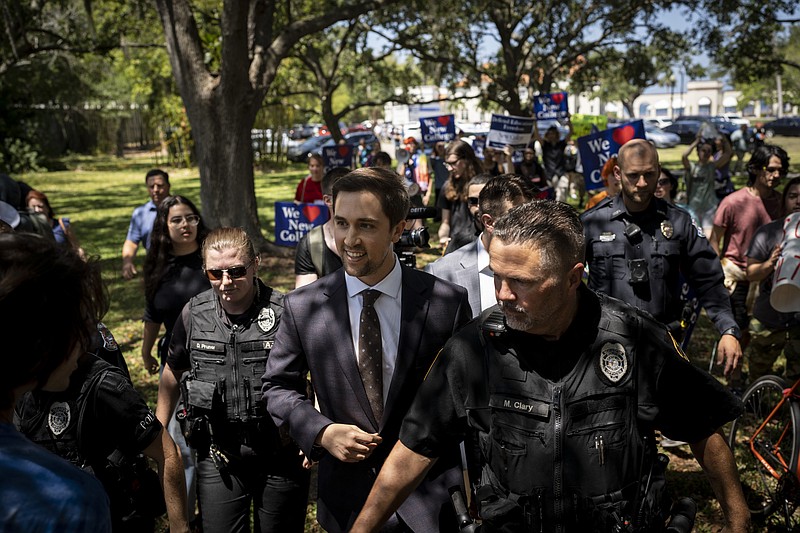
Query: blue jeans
x,y
279,500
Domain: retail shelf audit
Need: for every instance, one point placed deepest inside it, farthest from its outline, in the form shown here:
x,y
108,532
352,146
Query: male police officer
x,y
564,388
638,245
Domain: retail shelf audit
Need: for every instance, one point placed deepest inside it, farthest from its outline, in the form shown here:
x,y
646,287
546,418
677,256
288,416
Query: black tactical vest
x,y
566,455
223,384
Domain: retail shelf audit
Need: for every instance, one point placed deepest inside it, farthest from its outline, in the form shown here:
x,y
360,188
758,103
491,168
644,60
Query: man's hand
x,y
128,270
151,364
348,443
729,352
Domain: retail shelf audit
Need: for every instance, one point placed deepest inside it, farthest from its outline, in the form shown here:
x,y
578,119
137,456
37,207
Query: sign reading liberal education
x,y
550,106
340,155
434,129
596,148
292,221
508,130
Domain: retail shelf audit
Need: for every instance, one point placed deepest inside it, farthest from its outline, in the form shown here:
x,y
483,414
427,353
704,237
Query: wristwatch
x,y
735,331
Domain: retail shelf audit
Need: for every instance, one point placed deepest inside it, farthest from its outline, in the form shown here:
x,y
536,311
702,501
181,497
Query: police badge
x,y
266,320
667,229
613,363
58,418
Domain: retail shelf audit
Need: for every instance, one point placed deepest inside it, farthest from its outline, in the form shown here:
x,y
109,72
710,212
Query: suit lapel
x,y
414,311
340,317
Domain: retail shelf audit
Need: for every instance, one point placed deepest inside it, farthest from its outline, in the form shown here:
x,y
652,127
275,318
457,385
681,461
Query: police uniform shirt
x,y
116,417
675,397
670,245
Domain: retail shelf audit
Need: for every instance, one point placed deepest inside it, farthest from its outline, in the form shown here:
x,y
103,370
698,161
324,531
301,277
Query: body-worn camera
x,y
415,238
638,271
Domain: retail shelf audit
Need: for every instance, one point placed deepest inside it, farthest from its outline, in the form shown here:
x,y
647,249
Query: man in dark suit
x,y
325,329
469,265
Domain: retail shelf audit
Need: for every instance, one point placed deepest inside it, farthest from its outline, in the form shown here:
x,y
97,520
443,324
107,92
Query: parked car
x,y
657,122
788,126
686,130
722,124
350,138
661,138
736,119
300,153
301,131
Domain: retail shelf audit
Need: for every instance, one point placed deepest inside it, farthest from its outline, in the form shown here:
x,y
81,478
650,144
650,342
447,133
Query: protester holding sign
x,y
457,228
700,179
554,158
309,190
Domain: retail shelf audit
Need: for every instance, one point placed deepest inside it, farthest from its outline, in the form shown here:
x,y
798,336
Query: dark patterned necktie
x,y
370,352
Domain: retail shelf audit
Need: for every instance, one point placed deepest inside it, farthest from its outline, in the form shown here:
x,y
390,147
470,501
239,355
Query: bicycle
x,y
764,441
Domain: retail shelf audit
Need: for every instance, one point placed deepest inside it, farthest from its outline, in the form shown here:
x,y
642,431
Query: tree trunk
x,y
225,161
331,119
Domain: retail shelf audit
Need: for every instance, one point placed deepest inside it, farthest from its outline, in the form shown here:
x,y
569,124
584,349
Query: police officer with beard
x,y
638,247
564,388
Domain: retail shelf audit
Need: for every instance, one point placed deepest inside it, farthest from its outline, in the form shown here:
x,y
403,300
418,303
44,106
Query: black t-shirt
x,y
183,279
303,263
462,224
555,161
681,400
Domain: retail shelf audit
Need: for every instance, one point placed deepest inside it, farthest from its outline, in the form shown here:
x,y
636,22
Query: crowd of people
x,y
534,369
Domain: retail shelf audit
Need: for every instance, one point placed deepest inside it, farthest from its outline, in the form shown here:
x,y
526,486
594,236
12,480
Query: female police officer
x,y
223,339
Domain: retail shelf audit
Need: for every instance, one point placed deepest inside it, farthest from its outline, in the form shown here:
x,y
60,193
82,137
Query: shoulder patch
x,y
700,232
266,319
109,343
612,365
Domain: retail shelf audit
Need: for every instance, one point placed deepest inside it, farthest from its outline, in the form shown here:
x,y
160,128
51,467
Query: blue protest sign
x,y
340,155
596,148
509,130
292,221
550,106
434,129
478,144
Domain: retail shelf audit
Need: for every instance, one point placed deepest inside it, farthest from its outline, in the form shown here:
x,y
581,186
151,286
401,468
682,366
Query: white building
x,y
702,97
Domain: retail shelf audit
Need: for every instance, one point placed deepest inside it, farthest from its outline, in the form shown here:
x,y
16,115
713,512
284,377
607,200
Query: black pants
x,y
279,501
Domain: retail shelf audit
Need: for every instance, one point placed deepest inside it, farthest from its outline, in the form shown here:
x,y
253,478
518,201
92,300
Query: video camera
x,y
413,239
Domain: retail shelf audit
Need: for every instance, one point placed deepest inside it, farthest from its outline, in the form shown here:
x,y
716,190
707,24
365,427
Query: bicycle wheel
x,y
775,447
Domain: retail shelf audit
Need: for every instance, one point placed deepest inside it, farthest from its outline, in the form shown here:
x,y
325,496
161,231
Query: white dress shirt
x,y
485,276
388,307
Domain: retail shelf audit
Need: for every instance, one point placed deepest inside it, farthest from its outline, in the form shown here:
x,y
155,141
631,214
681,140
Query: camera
x,y
638,270
410,240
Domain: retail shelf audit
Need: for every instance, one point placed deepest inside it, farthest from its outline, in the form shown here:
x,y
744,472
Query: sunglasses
x,y
663,182
192,220
237,272
473,200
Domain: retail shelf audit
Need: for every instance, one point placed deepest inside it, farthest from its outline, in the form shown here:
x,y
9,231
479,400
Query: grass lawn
x,y
99,193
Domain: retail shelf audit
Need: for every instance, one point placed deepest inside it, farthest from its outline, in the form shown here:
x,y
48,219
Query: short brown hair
x,y
385,184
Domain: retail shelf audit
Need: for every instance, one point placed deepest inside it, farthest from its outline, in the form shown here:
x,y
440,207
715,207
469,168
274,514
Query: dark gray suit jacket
x,y
314,335
461,268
